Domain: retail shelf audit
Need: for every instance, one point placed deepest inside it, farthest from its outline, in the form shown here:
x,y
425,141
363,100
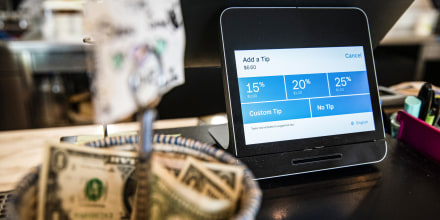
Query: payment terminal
x,y
301,89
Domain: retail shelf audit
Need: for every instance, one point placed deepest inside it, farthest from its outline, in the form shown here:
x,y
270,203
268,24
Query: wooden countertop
x,y
23,149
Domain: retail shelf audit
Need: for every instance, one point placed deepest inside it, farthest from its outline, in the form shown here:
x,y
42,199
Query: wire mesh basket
x,y
25,199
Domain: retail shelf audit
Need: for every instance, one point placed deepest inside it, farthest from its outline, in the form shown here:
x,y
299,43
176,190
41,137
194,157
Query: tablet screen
x,y
297,93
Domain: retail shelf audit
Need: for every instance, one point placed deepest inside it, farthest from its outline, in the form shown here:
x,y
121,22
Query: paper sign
x,y
138,54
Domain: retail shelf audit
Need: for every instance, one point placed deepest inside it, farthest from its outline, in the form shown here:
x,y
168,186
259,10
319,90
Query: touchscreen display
x,y
288,94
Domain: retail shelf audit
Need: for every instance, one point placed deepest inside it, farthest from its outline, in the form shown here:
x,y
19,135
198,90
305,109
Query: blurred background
x,y
45,75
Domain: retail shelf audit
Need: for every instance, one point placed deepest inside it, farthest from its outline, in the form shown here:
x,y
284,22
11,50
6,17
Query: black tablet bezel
x,y
278,28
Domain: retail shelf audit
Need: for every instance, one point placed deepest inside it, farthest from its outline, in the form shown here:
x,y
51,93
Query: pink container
x,y
420,135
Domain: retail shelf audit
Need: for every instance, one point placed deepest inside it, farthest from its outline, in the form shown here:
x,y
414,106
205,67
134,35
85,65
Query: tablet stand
x,y
307,160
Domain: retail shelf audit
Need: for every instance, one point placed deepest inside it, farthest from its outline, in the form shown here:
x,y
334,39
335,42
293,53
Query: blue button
x,y
275,111
340,105
307,86
348,83
259,89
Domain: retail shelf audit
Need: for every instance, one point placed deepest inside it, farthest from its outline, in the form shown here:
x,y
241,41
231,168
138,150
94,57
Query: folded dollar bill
x,y
171,200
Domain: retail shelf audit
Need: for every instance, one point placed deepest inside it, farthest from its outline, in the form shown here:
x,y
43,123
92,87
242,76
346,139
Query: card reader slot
x,y
307,160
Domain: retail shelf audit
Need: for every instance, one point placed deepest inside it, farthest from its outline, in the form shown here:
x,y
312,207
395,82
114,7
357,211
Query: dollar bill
x,y
171,200
199,178
172,162
231,175
85,183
